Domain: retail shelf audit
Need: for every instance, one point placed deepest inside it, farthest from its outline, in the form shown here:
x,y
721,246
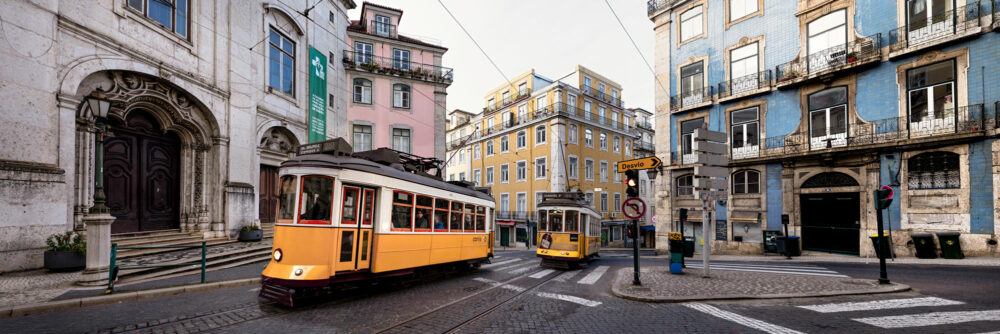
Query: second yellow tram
x,y
569,230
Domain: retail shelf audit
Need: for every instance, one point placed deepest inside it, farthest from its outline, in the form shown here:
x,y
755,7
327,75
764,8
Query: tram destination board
x,y
636,164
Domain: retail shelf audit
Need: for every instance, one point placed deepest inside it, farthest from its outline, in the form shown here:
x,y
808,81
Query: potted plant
x,y
67,252
851,57
251,232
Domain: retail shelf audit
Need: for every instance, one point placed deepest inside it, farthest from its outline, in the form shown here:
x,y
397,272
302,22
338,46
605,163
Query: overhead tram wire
x,y
636,49
476,43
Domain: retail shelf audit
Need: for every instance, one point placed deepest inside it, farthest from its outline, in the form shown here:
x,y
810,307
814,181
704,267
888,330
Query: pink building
x,y
398,86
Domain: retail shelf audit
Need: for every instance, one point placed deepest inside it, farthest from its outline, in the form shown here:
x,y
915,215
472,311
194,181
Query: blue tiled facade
x,y
940,163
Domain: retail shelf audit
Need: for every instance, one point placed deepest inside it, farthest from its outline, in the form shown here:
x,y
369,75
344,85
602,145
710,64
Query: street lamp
x,y
99,106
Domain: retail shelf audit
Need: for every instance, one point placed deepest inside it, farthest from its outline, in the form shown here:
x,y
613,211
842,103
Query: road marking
x,y
493,283
930,319
768,271
510,266
880,305
491,265
739,319
254,290
542,273
593,276
566,276
523,270
571,299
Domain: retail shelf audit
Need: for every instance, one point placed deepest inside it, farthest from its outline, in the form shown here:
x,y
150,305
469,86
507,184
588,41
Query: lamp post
x,y
99,107
98,219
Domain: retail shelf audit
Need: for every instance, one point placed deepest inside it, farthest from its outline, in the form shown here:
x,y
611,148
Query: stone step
x,y
176,238
194,241
141,235
260,252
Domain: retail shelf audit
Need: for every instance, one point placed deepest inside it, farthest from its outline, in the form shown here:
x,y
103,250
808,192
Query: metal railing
x,y
644,146
939,26
520,215
745,84
653,5
114,268
860,51
521,95
554,109
381,29
602,96
397,67
644,125
692,98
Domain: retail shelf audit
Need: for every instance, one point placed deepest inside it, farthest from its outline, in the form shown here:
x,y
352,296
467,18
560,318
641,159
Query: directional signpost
x,y
633,207
711,176
637,164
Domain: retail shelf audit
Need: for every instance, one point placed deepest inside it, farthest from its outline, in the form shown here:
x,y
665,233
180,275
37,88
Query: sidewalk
x,y
659,285
981,261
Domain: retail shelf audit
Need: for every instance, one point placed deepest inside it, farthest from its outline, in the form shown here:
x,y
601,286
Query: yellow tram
x,y
569,230
346,216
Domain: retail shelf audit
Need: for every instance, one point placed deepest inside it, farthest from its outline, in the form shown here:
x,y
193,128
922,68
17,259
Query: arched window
x,y
362,90
400,96
685,185
746,182
933,170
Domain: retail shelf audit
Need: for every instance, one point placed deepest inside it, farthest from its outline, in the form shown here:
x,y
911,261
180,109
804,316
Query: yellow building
x,y
539,135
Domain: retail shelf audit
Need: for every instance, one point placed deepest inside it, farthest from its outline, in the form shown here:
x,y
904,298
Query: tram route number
x,y
642,163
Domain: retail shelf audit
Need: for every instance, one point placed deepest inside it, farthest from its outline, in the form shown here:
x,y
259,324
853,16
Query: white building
x,y
459,155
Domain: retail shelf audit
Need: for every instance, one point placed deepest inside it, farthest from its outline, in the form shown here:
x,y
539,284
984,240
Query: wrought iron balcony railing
x,y
861,51
689,99
521,95
381,29
654,5
644,146
644,125
938,27
602,96
515,215
745,85
397,67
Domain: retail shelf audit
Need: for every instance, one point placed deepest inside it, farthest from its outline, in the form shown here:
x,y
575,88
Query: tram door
x,y
357,215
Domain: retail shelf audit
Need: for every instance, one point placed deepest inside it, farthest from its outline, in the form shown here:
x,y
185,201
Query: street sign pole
x,y
707,243
634,208
711,174
635,252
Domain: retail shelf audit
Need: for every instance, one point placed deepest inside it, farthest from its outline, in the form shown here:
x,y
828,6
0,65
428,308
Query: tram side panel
x,y
306,248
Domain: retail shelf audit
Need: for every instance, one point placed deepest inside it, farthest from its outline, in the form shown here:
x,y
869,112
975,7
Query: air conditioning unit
x,y
613,214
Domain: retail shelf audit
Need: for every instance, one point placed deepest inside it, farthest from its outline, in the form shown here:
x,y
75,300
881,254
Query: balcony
x,y
692,99
455,144
360,61
654,5
381,29
952,124
845,57
745,86
515,215
644,125
521,95
603,97
943,28
644,146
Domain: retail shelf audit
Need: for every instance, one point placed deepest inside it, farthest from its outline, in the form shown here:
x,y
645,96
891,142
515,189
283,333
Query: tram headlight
x,y
277,254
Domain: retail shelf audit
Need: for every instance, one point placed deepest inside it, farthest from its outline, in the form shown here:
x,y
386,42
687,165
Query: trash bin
x,y
924,245
688,246
951,248
780,241
792,244
878,250
676,250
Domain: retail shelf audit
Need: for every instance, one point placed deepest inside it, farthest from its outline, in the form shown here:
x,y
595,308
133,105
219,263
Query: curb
x,y
22,310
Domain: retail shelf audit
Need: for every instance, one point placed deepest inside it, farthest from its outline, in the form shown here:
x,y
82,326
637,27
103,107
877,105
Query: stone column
x,y
98,249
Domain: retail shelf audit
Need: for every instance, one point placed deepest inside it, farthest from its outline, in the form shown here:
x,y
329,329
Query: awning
x,y
693,215
613,223
649,228
745,216
505,223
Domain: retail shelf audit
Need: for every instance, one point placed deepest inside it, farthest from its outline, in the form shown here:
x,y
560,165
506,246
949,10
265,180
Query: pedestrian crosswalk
x,y
516,266
797,269
909,320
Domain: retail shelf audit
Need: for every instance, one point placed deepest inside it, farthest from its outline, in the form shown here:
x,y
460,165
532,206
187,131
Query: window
x,y
489,124
461,176
362,90
618,177
745,136
540,168
746,182
423,210
628,147
506,97
521,204
504,144
505,202
281,61
617,145
687,137
572,221
586,110
604,141
441,215
364,53
489,175
685,185
402,211
601,114
614,119
400,96
691,25
573,167
571,100
477,151
616,233
522,88
600,90
590,198
588,169
588,137
543,220
692,83
507,119
604,171
383,27
522,171
401,59
171,14
286,199
614,97
828,118
505,173
931,91
489,148
540,134
604,202
455,224
933,170
362,138
477,177
480,219
522,113
617,202
929,19
556,220
316,200
333,19
572,134
743,69
401,140
491,104
540,105
522,140
470,224
740,8
586,85
827,41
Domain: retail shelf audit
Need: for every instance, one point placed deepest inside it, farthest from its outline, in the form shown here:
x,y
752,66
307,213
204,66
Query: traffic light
x,y
632,183
883,197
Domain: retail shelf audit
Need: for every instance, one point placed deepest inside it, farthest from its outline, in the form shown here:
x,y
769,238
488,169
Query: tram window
x,y
286,199
456,217
480,219
470,224
402,211
317,197
423,210
346,246
572,223
441,215
543,221
350,208
369,205
555,220
364,246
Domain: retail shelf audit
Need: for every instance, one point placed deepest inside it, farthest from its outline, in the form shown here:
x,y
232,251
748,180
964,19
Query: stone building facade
x,y
824,102
207,97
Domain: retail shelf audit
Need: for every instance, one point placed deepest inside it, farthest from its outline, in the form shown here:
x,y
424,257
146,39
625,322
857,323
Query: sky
x,y
551,36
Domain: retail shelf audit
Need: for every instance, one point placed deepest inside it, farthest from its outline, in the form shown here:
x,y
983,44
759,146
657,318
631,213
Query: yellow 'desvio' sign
x,y
643,163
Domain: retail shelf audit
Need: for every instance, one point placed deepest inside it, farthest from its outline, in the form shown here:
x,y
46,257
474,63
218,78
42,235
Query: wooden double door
x,y
141,175
267,207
